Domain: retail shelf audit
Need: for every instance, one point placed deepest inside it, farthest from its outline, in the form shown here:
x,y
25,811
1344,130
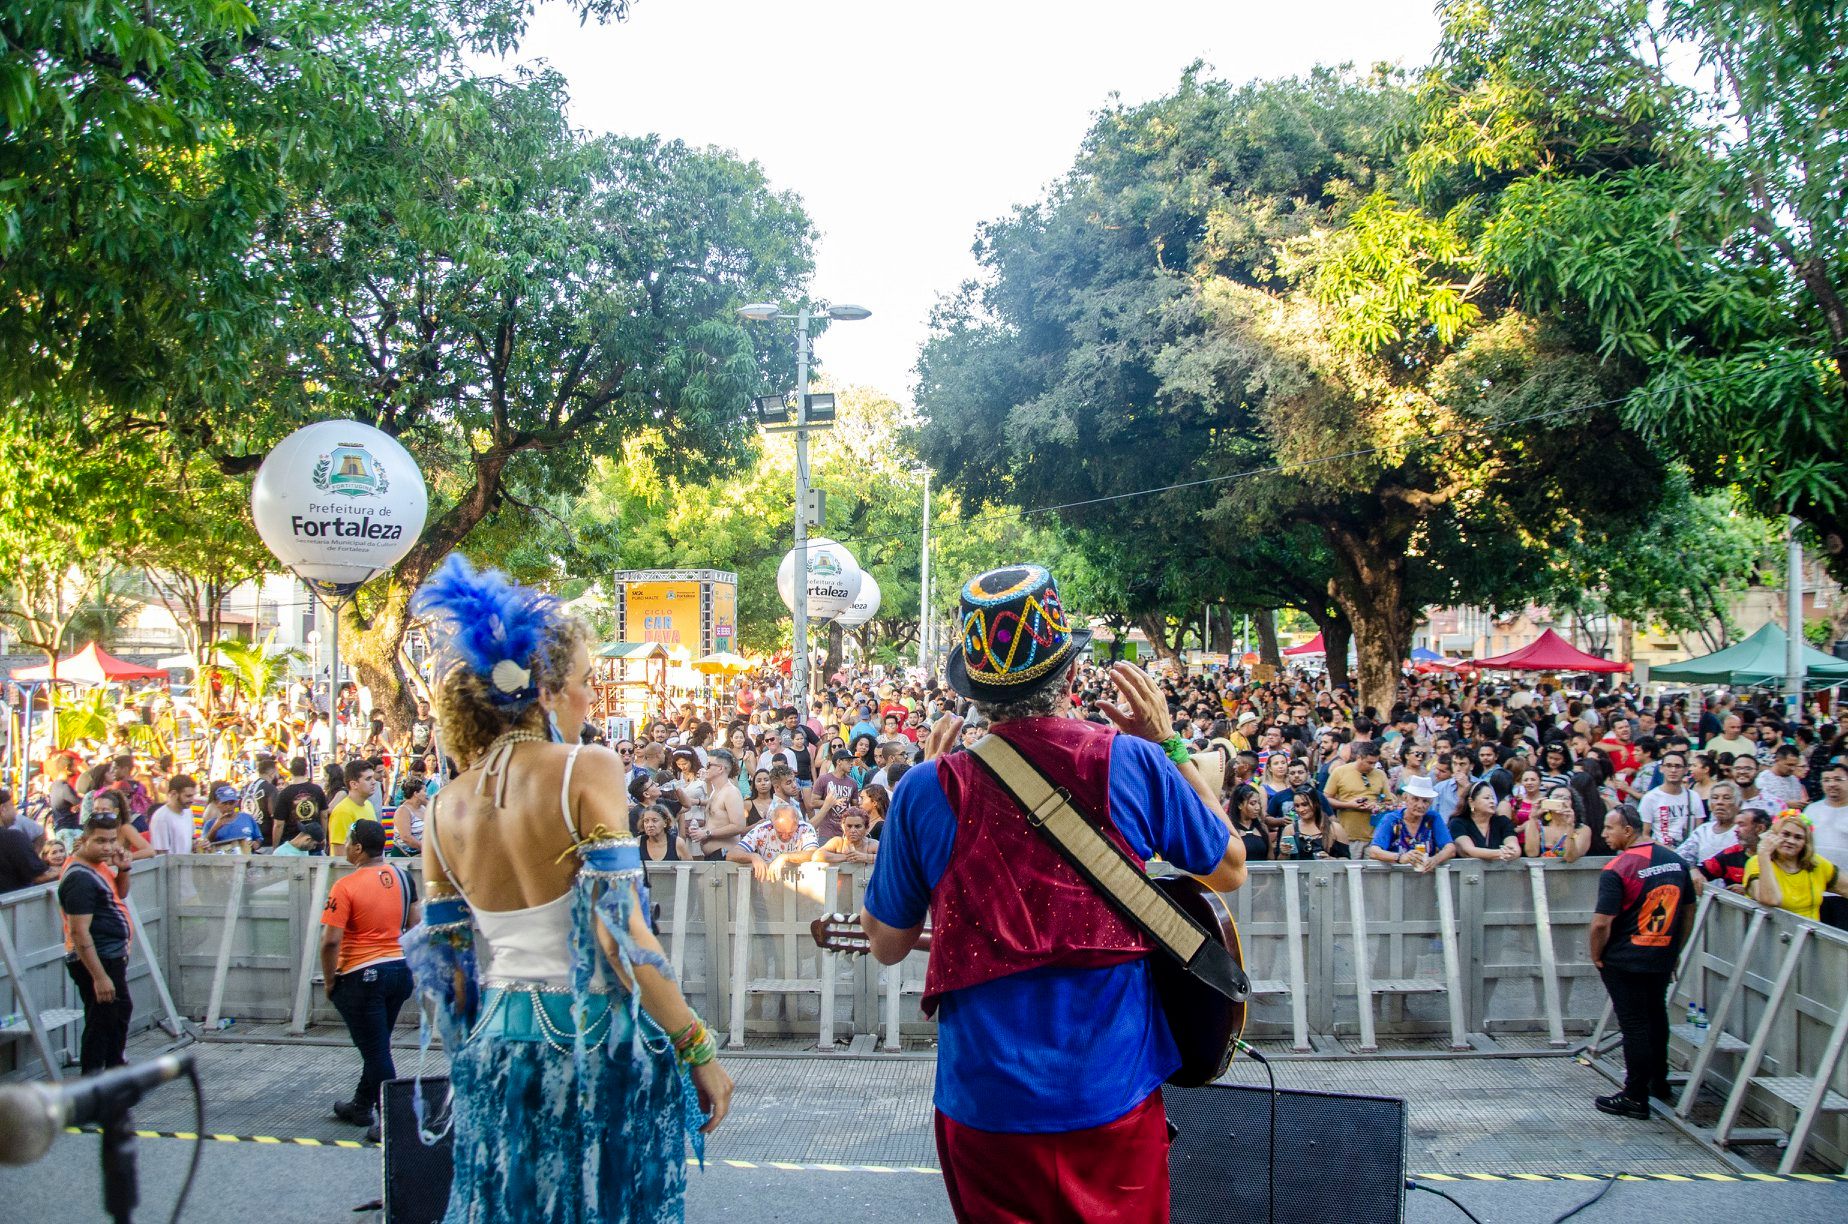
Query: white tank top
x,y
523,945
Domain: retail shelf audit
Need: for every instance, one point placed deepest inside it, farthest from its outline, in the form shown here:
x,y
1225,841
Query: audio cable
x,y
1613,1179
1270,1165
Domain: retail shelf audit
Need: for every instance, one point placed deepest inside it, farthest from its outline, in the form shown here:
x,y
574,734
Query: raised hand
x,y
942,736
1143,712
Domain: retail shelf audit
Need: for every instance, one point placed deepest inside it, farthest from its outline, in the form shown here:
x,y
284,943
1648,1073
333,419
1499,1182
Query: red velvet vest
x,y
1007,902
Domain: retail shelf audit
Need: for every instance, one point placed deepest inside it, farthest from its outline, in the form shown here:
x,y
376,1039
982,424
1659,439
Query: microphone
x,y
33,1115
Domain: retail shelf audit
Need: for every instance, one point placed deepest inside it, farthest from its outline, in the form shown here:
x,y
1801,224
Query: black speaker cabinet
x,y
416,1176
1340,1159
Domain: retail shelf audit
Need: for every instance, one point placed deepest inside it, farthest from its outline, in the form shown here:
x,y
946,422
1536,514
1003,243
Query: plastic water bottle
x,y
1693,1013
226,1022
1700,1018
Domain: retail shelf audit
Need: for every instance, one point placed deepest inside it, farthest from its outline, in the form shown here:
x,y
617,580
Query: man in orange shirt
x,y
362,963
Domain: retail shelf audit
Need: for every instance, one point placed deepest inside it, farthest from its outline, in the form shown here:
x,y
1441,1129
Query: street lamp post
x,y
1793,622
802,316
924,642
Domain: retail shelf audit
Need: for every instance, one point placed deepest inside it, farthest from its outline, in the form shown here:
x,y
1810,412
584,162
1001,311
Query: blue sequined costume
x,y
569,1106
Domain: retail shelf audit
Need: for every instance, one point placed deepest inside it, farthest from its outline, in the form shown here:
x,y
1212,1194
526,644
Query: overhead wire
x,y
1280,468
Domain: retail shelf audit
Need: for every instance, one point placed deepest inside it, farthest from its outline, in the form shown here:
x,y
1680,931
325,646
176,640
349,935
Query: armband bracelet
x,y
699,1052
1176,748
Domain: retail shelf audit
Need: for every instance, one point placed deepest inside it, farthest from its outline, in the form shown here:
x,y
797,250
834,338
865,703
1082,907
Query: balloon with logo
x,y
864,607
339,502
833,579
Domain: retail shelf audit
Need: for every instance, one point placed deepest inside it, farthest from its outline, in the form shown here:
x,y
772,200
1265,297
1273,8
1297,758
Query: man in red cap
x,y
1052,1046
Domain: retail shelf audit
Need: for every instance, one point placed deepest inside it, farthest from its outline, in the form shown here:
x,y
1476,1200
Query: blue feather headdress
x,y
496,626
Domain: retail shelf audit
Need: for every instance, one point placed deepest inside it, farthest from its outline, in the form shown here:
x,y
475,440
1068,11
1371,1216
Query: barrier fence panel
x,y
240,936
1711,974
35,984
776,967
1382,942
1269,912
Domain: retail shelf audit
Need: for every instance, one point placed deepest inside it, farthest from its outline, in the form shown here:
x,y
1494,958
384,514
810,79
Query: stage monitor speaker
x,y
1340,1159
416,1177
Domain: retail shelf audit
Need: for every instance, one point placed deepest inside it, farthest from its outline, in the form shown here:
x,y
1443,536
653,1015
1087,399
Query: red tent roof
x,y
91,665
1550,652
1313,646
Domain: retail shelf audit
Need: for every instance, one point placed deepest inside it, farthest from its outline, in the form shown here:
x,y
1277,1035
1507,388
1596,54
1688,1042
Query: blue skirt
x,y
542,1138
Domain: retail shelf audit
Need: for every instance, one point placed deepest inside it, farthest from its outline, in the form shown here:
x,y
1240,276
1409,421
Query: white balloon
x,y
833,579
339,502
863,608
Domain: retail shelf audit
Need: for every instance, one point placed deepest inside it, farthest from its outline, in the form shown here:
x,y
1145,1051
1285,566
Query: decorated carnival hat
x,y
1015,635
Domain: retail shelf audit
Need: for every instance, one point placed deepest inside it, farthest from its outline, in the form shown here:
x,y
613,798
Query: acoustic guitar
x,y
1205,1023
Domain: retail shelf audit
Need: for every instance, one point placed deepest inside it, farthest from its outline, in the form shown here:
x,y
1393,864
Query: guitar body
x,y
1204,1022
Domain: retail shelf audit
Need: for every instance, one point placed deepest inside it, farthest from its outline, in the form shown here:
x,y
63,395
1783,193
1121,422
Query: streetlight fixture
x,y
808,412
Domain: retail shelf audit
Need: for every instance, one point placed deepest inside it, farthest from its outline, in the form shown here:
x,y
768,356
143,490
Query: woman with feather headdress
x,y
578,1072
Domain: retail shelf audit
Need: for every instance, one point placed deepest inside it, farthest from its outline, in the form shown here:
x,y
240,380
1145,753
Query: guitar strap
x,y
1104,865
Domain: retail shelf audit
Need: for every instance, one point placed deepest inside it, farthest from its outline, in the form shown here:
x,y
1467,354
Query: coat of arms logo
x,y
350,471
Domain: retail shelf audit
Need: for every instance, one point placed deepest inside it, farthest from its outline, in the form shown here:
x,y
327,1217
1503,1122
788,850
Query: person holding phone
x,y
832,796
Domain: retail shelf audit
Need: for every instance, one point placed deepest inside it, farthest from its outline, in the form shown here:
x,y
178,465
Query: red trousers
x,y
1116,1173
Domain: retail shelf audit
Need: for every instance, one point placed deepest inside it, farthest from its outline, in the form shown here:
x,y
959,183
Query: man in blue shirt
x,y
1413,837
1049,1067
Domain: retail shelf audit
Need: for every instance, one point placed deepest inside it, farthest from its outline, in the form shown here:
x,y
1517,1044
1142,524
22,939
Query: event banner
x,y
664,612
724,617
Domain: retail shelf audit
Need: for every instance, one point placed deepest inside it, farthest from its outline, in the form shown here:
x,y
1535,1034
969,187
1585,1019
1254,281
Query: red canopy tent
x,y
91,665
1314,646
1549,652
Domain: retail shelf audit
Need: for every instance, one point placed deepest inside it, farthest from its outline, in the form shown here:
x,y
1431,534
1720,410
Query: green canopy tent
x,y
1757,661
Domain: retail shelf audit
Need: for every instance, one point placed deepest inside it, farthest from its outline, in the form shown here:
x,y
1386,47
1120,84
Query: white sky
x,y
904,126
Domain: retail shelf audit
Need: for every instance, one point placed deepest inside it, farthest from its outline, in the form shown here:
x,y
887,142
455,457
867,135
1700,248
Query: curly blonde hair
x,y
470,721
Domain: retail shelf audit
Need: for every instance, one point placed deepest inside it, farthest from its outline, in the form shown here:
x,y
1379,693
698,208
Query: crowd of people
x,y
1452,771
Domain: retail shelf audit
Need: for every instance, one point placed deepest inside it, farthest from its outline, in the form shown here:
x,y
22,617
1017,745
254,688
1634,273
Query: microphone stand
x,y
121,1189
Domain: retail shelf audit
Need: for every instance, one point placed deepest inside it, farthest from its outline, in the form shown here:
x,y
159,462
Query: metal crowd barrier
x,y
1473,955
1775,990
41,1017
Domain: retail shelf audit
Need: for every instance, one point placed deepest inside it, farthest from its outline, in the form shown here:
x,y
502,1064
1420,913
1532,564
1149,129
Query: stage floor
x,y
838,1132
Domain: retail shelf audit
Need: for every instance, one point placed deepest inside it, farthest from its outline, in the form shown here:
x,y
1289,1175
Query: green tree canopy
x,y
1222,302
149,147
1694,221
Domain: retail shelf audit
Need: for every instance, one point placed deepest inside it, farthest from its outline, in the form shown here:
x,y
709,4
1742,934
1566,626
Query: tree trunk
x,y
371,645
1225,632
1337,633
1370,589
1268,650
1155,628
1118,627
833,662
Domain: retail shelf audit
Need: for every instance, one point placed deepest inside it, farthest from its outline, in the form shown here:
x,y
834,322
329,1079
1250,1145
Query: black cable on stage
x,y
192,1167
1411,1184
1270,1165
1614,1179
